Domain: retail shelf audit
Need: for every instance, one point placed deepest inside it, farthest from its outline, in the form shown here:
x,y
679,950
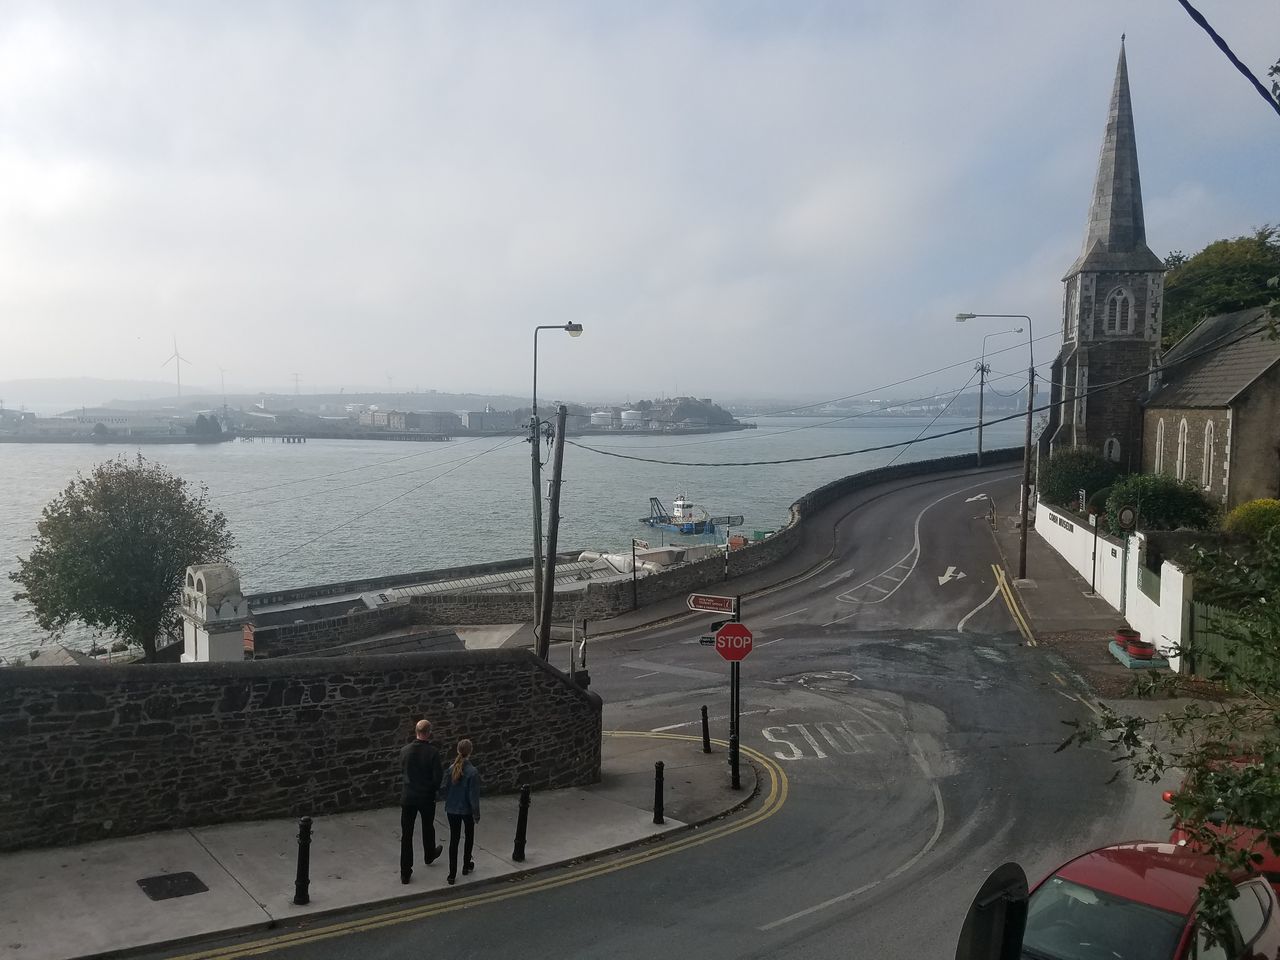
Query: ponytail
x,y
464,751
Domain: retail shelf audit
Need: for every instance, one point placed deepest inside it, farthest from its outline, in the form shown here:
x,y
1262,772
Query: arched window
x,y
1206,469
1160,446
1119,312
1182,450
1111,449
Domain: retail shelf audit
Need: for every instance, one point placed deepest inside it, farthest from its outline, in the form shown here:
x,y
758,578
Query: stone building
x,y
1111,306
1214,417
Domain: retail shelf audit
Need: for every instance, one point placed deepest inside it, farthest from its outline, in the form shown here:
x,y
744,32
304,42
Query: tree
x,y
1069,471
1254,519
111,549
1229,800
1225,276
1162,502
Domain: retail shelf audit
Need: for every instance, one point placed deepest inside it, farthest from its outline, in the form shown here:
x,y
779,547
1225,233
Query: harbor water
x,y
335,510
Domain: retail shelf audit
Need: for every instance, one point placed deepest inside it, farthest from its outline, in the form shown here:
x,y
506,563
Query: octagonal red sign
x,y
733,641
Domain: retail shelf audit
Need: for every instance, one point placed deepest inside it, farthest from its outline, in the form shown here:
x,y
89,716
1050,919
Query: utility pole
x,y
295,385
1026,473
553,532
535,448
983,370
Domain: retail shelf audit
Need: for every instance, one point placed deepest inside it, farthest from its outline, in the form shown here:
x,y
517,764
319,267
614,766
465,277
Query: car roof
x,y
1161,875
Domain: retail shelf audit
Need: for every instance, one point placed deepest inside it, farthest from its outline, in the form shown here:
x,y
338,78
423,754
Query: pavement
x,y
1075,626
86,900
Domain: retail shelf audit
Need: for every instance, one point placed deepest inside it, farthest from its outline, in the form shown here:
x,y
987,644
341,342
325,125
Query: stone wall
x,y
296,639
1197,420
1255,445
94,752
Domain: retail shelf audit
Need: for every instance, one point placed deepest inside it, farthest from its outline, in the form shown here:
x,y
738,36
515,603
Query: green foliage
x,y
1070,471
1163,503
110,551
1226,275
1228,753
207,427
1253,519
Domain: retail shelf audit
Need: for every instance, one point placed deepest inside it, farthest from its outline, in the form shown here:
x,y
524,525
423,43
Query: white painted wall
x,y
1164,623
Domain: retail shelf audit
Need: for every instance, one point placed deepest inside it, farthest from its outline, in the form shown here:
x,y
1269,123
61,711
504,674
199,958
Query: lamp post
x,y
983,370
1026,453
535,448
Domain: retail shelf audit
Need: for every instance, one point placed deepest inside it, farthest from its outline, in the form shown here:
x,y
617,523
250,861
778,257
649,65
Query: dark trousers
x,y
409,813
456,822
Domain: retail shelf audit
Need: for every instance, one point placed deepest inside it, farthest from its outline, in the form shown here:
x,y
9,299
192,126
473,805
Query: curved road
x,y
916,734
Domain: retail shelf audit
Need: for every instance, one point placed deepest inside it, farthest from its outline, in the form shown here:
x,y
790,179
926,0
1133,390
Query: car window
x,y
1250,911
1069,921
1206,952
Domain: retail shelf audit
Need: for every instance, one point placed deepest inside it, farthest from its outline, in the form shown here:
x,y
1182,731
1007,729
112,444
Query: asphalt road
x,y
917,737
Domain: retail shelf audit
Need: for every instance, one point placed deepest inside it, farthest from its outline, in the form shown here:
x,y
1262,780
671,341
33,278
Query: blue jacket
x,y
462,798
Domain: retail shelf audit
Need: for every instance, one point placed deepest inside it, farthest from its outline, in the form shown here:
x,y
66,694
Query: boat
x,y
685,517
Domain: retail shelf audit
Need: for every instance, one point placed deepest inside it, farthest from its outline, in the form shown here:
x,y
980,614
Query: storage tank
x,y
601,418
633,419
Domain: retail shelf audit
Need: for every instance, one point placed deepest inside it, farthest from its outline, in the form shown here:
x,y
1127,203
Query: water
x,y
335,510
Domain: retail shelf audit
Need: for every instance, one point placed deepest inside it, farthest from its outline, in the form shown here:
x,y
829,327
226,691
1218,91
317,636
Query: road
x,y
916,734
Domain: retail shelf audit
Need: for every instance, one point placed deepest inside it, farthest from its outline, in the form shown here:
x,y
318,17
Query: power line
x,y
1198,17
936,416
906,443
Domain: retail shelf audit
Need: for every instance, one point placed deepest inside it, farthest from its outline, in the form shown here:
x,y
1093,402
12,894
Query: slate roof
x,y
1117,235
1216,374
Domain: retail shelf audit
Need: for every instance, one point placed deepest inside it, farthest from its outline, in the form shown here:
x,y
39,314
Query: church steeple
x,y
1117,235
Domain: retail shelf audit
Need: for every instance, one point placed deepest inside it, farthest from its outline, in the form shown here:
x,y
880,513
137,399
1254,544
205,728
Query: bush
x,y
1254,519
1070,471
1163,503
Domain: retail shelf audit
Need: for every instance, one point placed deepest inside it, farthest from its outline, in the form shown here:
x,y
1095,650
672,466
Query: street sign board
x,y
707,603
708,640
733,641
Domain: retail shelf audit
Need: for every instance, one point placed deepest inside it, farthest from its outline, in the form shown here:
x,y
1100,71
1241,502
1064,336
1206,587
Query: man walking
x,y
420,764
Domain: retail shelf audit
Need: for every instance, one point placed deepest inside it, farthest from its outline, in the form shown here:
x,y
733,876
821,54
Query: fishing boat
x,y
685,517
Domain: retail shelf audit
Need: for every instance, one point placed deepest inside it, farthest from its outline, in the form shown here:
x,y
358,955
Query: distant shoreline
x,y
109,441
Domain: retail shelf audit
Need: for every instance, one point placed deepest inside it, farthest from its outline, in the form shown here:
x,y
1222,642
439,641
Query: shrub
x,y
1069,471
1254,519
1163,503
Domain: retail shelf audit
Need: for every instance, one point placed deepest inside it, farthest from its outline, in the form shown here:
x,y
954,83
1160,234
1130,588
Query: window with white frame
x,y
1160,445
1119,315
1206,468
1182,450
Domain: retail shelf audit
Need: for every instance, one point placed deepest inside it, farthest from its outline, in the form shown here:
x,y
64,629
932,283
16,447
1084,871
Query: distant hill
x,y
51,395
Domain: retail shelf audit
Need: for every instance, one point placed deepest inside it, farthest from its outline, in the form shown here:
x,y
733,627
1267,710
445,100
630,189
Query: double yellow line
x,y
1006,591
776,796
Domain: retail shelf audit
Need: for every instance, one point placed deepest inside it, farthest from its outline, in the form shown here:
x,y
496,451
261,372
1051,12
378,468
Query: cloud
x,y
804,193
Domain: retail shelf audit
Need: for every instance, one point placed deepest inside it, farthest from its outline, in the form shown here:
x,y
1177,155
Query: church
x,y
1208,410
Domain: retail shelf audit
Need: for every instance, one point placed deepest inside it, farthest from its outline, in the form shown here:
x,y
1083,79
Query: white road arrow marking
x,y
981,496
951,574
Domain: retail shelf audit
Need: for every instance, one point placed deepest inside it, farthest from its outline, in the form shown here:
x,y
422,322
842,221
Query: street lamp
x,y
983,370
1026,453
535,448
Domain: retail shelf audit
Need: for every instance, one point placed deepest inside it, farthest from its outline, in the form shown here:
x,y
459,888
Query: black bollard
x,y
303,879
706,731
657,792
522,825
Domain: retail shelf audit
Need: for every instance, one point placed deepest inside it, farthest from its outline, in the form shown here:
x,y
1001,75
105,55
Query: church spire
x,y
1117,235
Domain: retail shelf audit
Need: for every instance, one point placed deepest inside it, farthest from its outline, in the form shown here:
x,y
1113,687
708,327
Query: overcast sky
x,y
748,198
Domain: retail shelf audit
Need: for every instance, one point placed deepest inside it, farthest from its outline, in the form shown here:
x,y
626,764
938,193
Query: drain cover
x,y
169,885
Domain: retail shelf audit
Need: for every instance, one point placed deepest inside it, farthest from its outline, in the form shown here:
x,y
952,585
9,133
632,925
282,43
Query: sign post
x,y
708,603
733,643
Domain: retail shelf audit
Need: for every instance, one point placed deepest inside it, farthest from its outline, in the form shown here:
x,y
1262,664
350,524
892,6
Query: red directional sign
x,y
709,603
733,641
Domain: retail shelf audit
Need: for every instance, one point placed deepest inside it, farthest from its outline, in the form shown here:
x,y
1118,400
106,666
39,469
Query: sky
x,y
732,198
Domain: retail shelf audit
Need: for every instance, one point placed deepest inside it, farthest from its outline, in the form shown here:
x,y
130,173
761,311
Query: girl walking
x,y
462,806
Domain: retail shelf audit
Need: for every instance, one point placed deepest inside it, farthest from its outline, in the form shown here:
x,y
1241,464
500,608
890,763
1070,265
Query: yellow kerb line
x,y
1011,602
779,788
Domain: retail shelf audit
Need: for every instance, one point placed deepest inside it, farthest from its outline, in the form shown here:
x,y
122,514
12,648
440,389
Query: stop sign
x,y
733,641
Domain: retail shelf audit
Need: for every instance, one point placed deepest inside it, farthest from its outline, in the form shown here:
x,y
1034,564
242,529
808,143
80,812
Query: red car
x,y
1137,901
1242,837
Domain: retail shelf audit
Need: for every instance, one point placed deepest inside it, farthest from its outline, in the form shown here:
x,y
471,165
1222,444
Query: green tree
x,y
1228,753
1226,275
1069,471
111,549
1162,502
1254,519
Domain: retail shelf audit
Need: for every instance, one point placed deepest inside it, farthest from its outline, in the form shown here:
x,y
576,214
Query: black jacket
x,y
420,762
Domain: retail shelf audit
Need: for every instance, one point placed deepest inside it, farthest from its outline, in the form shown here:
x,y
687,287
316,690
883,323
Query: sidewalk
x,y
78,901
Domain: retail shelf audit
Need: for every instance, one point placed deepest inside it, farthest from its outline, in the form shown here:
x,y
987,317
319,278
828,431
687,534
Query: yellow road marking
x,y
779,788
1024,628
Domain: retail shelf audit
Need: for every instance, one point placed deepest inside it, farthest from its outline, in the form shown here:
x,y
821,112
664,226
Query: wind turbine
x,y
177,360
